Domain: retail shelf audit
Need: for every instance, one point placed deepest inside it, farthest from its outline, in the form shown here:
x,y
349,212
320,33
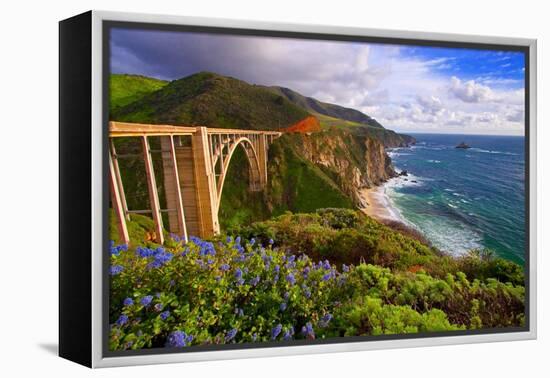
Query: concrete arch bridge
x,y
193,173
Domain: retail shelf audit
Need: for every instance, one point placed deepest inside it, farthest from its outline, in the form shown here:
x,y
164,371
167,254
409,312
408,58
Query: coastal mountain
x,y
217,101
324,108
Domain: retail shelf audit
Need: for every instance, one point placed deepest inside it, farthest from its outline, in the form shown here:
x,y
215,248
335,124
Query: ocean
x,y
462,199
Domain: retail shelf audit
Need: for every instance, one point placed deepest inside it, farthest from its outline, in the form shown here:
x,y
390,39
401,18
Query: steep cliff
x,y
351,161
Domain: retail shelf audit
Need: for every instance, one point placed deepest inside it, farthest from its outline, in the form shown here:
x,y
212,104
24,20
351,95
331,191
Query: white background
x,y
28,225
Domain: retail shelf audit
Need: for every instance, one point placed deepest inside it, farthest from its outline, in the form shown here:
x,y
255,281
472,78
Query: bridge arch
x,y
225,159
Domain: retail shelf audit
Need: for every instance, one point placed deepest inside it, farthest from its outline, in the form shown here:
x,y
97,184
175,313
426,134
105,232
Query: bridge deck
x,y
125,129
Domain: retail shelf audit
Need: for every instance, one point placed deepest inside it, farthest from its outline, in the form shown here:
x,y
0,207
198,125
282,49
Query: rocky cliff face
x,y
389,138
352,161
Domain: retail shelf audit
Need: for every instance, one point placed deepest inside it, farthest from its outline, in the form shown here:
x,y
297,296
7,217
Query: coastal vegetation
x,y
237,289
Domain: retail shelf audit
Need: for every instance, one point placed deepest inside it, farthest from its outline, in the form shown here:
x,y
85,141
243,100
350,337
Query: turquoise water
x,y
463,199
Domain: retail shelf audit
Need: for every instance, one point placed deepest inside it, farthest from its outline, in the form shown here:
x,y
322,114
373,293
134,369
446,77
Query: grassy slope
x,y
295,184
126,89
216,101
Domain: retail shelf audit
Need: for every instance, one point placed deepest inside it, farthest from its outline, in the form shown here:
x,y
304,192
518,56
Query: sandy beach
x,y
378,205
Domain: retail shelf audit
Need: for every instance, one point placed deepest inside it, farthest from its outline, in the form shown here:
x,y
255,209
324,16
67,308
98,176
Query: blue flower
x,y
287,335
225,267
146,301
254,336
345,268
323,323
178,339
231,335
144,252
271,241
286,295
160,257
158,307
195,240
128,302
307,331
164,315
116,269
255,281
238,240
239,276
238,273
290,278
123,319
283,306
276,331
115,250
326,265
252,241
327,277
229,239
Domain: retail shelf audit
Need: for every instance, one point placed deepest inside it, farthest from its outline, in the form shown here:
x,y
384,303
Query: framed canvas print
x,y
239,189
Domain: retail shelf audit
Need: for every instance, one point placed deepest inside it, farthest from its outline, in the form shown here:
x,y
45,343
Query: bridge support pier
x,y
172,187
205,185
262,159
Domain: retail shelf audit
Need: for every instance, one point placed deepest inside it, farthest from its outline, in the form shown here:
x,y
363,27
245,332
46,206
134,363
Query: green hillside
x,y
213,100
323,108
125,89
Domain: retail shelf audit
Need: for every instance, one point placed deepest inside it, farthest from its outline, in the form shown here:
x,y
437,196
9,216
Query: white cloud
x,y
470,91
517,116
430,104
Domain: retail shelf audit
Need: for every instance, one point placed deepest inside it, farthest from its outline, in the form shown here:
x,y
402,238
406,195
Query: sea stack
x,y
463,145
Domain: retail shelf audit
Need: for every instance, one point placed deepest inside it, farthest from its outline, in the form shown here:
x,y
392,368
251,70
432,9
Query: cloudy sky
x,y
406,88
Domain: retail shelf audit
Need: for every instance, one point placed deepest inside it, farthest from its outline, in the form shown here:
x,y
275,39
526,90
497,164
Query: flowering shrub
x,y
198,293
238,291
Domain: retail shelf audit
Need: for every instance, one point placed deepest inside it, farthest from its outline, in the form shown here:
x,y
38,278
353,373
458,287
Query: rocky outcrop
x,y
352,161
463,146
